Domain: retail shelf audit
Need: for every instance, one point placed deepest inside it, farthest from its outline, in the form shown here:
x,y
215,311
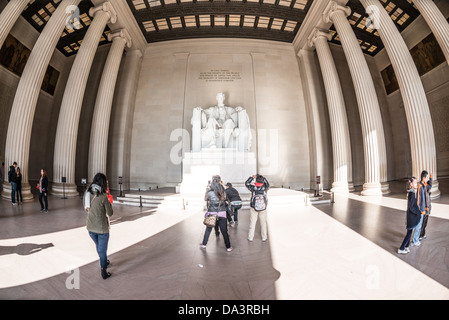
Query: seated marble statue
x,y
220,126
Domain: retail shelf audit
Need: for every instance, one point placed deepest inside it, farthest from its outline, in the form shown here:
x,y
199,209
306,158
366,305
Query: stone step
x,y
276,196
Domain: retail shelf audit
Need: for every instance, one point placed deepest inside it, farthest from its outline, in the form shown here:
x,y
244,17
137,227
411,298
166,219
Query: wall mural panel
x,y
14,56
427,55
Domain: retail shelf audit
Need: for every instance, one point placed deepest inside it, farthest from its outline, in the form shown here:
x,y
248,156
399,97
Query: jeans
x,y
223,225
13,192
233,210
101,242
417,232
424,224
42,195
406,242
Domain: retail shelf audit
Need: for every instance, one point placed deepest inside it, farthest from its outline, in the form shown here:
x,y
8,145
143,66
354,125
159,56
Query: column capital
x,y
333,7
106,7
122,33
317,33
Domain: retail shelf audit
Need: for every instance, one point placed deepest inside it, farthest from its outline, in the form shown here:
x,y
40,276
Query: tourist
x,y
423,199
258,205
2,173
236,202
19,185
216,204
413,214
12,176
43,190
100,209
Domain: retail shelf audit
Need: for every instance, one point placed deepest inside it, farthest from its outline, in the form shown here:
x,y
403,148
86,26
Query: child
x,y
413,214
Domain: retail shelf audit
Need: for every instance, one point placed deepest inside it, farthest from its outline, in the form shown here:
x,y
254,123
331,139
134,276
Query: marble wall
x,y
260,76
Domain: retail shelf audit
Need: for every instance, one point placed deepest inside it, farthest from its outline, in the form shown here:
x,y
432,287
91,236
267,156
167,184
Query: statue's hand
x,y
238,109
198,108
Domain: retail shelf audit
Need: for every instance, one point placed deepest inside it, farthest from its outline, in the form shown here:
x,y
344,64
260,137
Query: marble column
x,y
341,144
22,112
437,23
371,119
422,138
119,147
67,129
98,147
9,16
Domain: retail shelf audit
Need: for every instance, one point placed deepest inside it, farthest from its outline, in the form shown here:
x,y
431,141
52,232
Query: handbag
x,y
210,220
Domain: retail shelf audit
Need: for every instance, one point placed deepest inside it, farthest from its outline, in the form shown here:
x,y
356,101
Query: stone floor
x,y
344,250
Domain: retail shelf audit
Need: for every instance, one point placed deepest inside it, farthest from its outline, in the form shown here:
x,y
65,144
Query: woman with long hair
x,y
216,205
413,214
99,210
19,185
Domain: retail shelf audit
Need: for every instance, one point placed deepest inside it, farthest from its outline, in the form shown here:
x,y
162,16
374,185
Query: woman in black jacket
x,y
43,190
216,204
413,215
19,185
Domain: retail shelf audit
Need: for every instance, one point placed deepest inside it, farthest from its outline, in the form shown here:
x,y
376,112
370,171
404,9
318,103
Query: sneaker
x,y
423,238
42,210
263,240
14,204
250,240
45,210
402,251
229,249
416,244
202,246
408,249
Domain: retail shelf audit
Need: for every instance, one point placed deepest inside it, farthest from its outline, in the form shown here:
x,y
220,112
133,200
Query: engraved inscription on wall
x,y
219,75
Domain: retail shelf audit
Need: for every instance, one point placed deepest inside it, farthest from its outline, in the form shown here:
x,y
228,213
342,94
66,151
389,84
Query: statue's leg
x,y
208,134
229,127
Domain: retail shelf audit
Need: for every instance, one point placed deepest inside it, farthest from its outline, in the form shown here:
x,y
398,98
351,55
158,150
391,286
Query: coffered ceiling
x,y
162,20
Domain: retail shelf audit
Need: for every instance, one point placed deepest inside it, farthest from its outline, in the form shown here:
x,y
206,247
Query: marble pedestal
x,y
232,166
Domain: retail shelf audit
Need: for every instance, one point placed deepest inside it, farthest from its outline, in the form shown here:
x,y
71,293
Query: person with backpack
x,y
258,204
99,209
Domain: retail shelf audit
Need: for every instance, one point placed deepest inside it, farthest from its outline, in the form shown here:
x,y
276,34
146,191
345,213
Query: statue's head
x,y
220,98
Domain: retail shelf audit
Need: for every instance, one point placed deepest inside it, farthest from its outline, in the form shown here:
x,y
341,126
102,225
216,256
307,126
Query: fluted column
x,y
98,146
9,16
67,129
437,23
371,120
422,138
341,144
22,112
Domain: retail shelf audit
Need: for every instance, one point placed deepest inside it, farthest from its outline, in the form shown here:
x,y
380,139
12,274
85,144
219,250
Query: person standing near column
x,y
12,177
43,190
424,187
258,205
98,220
413,214
19,185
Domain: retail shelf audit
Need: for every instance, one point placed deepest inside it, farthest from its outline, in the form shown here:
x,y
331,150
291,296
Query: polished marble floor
x,y
344,250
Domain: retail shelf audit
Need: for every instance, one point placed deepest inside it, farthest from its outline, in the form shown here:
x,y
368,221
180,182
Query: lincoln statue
x,y
220,126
